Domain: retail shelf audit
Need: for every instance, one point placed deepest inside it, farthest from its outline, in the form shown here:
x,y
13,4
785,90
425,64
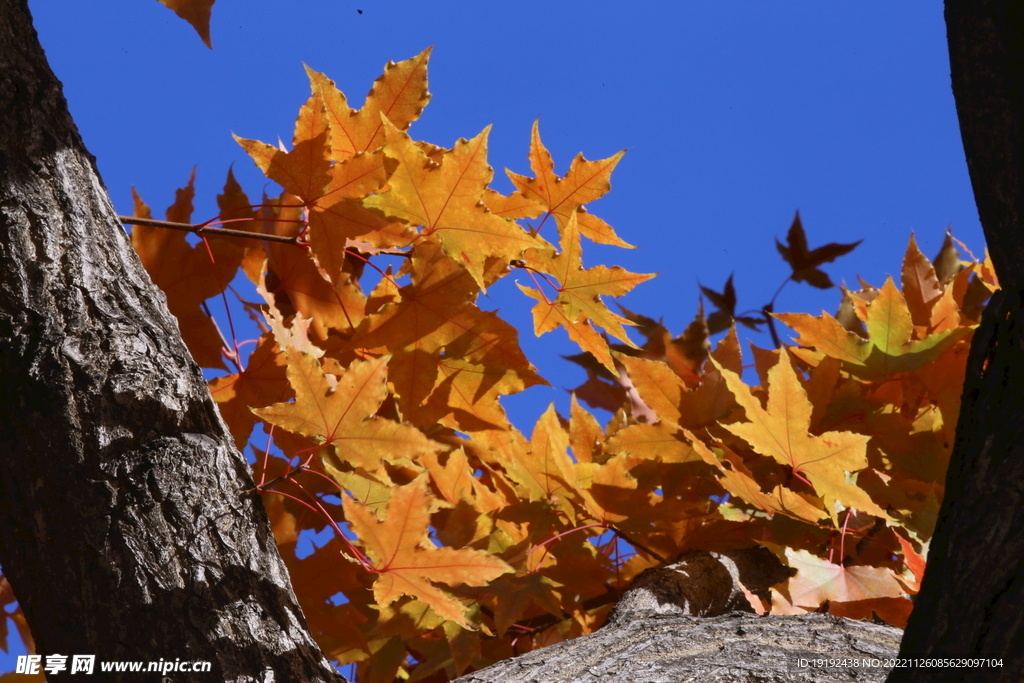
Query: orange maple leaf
x,y
564,197
585,434
195,12
921,287
305,171
671,399
446,199
578,296
914,561
543,467
465,397
893,611
660,441
738,480
889,349
185,272
326,187
343,415
399,550
610,493
513,206
454,479
296,282
514,597
262,383
400,94
437,314
338,629
781,430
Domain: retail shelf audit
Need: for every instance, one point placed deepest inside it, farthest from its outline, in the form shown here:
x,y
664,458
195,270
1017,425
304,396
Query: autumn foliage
x,y
371,402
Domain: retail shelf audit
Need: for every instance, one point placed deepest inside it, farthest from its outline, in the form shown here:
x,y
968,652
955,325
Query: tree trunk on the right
x,y
972,599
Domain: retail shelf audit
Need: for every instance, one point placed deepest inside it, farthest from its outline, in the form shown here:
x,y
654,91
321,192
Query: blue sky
x,y
735,115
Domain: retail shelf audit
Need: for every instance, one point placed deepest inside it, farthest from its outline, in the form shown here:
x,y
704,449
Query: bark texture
x,y
677,624
734,648
124,528
973,589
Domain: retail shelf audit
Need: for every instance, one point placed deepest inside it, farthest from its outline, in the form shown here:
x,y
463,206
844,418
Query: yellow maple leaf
x,y
400,94
327,187
738,480
578,296
436,315
446,199
403,563
342,415
260,384
564,197
294,282
195,12
543,468
888,350
780,430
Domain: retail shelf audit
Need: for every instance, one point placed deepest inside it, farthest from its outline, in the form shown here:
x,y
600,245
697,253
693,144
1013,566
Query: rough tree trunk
x,y
124,529
690,621
972,597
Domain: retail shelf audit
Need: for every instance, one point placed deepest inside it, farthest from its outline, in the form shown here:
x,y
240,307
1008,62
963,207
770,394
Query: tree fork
x,y
973,588
121,528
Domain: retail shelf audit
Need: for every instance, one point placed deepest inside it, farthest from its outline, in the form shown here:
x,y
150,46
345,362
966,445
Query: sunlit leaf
x,y
405,566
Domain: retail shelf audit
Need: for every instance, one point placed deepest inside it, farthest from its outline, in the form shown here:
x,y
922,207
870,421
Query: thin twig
x,y
276,480
202,230
297,240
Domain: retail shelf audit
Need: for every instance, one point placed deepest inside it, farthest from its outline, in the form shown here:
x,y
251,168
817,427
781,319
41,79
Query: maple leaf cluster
x,y
458,540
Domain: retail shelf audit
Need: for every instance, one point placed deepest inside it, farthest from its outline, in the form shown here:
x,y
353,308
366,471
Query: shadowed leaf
x,y
804,262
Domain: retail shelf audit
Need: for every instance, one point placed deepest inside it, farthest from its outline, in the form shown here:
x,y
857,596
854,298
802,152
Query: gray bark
x,y
735,647
973,590
124,529
680,623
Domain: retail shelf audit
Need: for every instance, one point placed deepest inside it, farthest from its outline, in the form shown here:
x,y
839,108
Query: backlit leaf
x,y
262,383
889,350
740,482
818,580
780,430
400,94
545,470
446,200
405,566
186,273
195,12
585,182
343,415
297,283
437,313
326,187
577,301
920,284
